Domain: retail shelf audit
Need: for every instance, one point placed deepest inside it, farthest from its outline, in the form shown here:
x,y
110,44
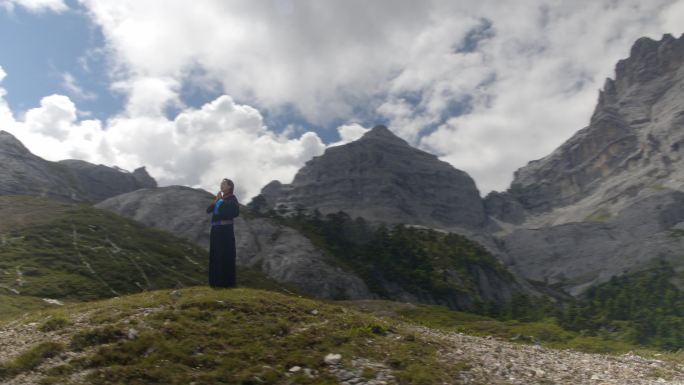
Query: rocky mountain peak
x,y
143,178
649,58
382,133
24,173
381,178
632,140
608,199
11,145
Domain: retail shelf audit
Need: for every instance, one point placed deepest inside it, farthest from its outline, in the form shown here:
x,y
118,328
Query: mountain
x,y
24,173
382,178
609,200
278,251
69,252
630,148
417,265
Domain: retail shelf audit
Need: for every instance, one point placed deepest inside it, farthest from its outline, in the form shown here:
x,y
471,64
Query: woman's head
x,y
227,186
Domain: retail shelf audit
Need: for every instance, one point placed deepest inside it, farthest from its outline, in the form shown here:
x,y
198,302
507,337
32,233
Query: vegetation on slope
x,y
646,308
75,252
443,265
236,336
638,309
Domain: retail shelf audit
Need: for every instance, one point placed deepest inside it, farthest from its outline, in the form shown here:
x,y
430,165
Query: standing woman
x,y
222,237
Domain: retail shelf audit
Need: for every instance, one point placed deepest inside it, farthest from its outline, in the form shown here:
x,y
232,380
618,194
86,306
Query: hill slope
x,y
247,336
280,252
75,252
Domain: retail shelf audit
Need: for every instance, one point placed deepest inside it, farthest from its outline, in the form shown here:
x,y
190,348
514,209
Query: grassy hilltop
x,y
207,336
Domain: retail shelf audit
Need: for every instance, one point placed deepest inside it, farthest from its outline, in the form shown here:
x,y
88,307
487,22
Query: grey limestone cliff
x,y
382,178
279,251
609,199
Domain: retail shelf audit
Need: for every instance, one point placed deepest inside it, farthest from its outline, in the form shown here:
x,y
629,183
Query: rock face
x,y
381,178
578,255
279,251
283,253
632,141
609,199
68,180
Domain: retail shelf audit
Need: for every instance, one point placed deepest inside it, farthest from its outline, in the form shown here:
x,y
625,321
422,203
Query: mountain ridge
x,y
71,180
382,178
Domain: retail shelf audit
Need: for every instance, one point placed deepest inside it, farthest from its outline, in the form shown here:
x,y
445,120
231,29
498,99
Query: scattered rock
x,y
175,295
332,358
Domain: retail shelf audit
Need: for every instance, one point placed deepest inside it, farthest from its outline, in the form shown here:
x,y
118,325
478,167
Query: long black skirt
x,y
222,256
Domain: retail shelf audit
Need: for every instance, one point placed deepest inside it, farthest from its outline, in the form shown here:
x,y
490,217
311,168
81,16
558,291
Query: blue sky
x,y
199,91
43,50
40,48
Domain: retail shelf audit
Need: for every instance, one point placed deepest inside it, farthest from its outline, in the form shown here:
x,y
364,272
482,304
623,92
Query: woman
x,y
222,237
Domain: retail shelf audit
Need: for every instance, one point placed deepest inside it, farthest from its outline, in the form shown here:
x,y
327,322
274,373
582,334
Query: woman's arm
x,y
229,209
210,208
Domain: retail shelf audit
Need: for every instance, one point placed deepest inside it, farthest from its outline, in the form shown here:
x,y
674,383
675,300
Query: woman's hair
x,y
230,184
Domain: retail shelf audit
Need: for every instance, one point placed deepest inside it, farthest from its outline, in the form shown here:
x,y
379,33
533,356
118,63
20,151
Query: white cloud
x,y
6,117
53,132
70,84
548,70
672,17
149,96
323,58
524,74
198,148
35,5
349,133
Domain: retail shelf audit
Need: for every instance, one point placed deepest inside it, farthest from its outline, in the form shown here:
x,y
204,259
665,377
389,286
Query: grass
x,y
236,336
12,304
253,336
545,333
75,252
30,359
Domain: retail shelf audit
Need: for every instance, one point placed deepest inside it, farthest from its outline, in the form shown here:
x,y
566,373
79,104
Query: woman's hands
x,y
218,196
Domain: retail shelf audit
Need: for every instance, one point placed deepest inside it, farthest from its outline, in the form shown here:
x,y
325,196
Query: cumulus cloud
x,y
53,131
349,133
546,73
6,118
486,85
323,58
198,148
70,84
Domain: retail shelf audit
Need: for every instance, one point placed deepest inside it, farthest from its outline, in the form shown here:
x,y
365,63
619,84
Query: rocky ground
x,y
494,361
475,360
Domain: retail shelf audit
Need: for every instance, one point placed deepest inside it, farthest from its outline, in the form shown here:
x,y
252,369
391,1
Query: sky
x,y
251,90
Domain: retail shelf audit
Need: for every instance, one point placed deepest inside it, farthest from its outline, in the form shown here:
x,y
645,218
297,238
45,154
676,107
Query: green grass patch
x,y
54,323
237,336
30,359
420,261
83,253
546,332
